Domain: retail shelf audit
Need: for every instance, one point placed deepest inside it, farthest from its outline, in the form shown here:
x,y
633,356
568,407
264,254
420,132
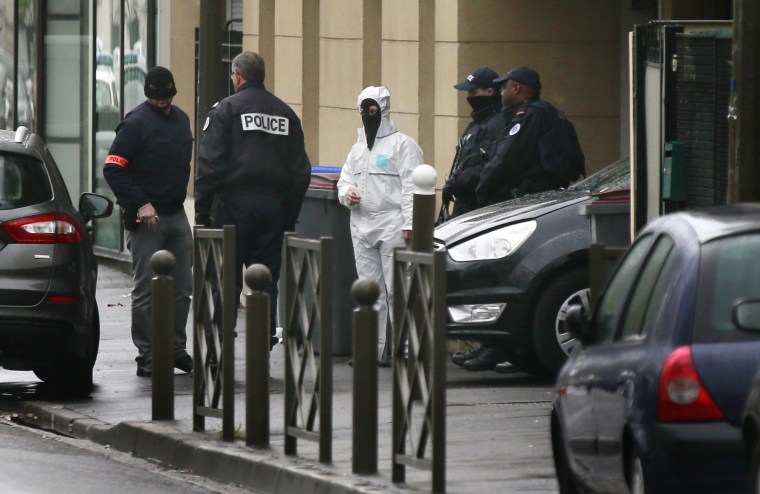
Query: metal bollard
x,y
162,302
364,343
423,222
423,216
258,278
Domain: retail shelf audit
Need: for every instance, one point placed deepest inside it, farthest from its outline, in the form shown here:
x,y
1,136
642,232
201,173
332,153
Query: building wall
x,y
322,53
184,18
576,55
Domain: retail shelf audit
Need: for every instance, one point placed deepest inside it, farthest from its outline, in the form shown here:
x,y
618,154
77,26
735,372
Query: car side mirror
x,y
578,325
746,315
95,206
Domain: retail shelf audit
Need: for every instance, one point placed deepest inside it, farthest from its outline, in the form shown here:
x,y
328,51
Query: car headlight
x,y
494,245
476,313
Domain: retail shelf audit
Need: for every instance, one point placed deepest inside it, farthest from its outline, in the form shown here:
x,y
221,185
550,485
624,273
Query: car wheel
x,y
73,376
552,340
636,475
754,470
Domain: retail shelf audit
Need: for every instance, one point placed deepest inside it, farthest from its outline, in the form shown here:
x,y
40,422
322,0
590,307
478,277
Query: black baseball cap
x,y
522,74
481,78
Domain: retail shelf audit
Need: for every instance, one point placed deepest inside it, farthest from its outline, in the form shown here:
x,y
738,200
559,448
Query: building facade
x,y
71,69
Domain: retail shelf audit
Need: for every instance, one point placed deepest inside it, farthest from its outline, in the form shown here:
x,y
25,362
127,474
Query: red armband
x,y
113,159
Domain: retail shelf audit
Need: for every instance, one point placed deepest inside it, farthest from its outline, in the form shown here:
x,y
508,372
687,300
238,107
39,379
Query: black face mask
x,y
371,122
477,103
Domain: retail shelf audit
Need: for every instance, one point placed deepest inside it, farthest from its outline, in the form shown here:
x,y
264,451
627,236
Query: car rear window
x,y
729,272
23,182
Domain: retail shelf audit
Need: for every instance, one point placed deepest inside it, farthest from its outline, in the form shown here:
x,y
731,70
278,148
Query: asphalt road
x,y
39,462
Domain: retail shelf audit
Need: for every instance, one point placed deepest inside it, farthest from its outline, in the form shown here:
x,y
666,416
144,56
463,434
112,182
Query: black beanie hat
x,y
159,83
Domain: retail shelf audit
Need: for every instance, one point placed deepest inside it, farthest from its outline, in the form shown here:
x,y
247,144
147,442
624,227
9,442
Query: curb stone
x,y
231,463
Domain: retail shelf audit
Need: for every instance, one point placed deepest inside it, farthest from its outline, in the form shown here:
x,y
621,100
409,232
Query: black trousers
x,y
259,234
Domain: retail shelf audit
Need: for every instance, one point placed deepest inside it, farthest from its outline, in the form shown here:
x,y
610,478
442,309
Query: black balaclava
x,y
159,83
477,103
371,122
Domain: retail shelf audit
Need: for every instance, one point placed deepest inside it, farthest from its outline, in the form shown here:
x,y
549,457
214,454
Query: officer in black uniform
x,y
471,154
475,144
534,146
253,159
530,143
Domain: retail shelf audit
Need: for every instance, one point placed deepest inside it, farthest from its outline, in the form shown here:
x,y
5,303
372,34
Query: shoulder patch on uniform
x,y
272,124
515,129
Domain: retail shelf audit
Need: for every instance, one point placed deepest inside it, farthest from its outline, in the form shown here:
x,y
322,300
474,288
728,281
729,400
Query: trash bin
x,y
321,216
610,216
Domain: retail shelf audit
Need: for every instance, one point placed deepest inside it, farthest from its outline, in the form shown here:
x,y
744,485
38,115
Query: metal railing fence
x,y
308,313
214,317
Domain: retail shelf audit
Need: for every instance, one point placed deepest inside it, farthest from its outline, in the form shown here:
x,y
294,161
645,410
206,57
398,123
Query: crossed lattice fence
x,y
214,316
419,365
308,343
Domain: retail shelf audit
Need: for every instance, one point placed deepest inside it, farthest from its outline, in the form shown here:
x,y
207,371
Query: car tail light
x,y
682,395
53,228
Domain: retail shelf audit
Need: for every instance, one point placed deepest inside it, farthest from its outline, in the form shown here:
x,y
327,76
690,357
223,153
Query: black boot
x,y
460,358
485,360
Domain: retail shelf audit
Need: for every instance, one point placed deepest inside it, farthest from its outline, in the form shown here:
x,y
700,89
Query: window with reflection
x,y
26,101
23,182
121,33
108,55
729,273
613,300
7,83
648,290
135,41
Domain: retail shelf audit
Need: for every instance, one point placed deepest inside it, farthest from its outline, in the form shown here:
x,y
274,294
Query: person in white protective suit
x,y
376,185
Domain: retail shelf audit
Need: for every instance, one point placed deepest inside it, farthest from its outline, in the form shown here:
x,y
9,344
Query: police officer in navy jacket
x,y
253,159
539,149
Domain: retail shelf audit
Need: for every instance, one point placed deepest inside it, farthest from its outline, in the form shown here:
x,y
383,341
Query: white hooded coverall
x,y
383,177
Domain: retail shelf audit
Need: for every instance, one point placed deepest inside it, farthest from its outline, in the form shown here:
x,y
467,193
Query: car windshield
x,y
614,176
23,182
729,272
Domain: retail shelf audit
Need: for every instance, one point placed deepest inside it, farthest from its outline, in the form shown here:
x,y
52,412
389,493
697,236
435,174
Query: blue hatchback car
x,y
652,399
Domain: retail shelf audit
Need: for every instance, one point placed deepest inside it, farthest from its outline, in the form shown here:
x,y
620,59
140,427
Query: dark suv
x,y
49,320
514,268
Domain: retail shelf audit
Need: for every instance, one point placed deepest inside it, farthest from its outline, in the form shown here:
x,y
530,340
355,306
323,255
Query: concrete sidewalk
x,y
497,425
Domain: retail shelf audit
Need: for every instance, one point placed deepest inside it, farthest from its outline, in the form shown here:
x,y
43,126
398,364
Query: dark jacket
x,y
472,154
253,144
149,160
515,167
